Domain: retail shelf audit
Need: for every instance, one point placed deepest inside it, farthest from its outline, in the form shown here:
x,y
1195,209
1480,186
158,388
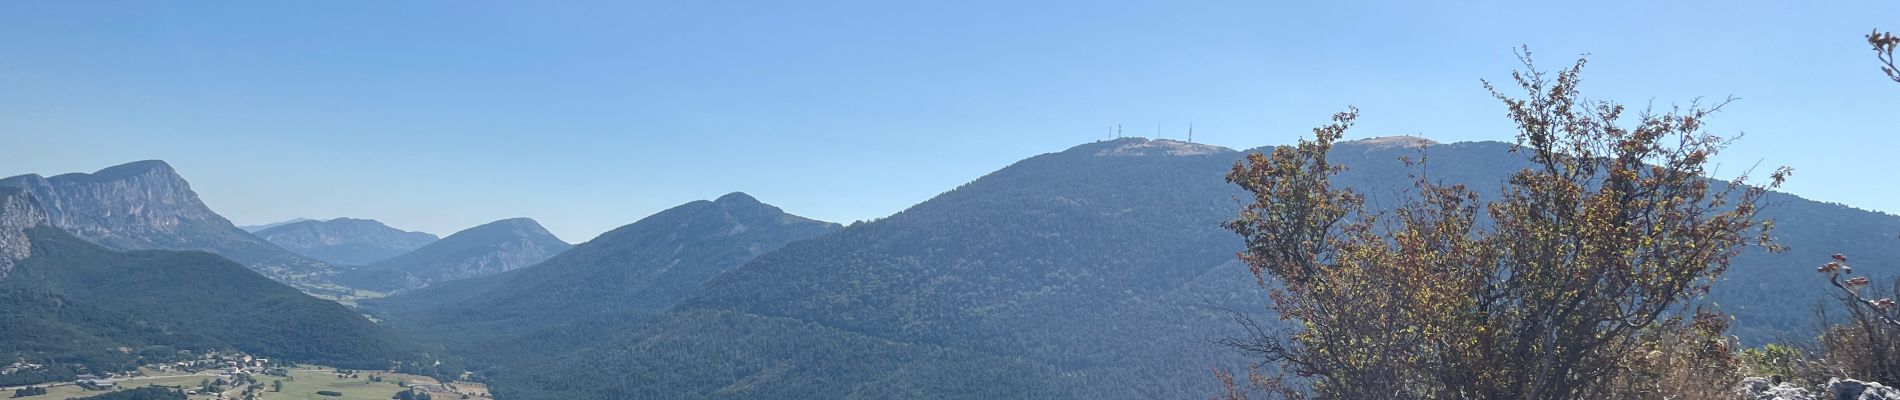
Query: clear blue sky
x,y
439,115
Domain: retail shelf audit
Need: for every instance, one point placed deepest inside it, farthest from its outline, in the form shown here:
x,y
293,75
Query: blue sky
x,y
440,115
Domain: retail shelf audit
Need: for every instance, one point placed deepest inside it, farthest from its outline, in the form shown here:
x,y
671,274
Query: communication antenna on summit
x,y
1190,132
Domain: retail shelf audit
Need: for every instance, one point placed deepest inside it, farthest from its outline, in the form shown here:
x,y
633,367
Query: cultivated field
x,y
69,391
304,383
309,381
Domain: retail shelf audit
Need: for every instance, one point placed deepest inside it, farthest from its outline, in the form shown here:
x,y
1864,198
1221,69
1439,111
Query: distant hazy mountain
x,y
145,205
627,273
346,241
1096,272
65,301
255,228
483,250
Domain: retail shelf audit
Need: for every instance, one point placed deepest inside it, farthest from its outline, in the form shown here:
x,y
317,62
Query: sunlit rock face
x,y
17,213
132,206
146,205
1836,388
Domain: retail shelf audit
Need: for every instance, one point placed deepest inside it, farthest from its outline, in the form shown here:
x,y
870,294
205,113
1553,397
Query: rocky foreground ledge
x,y
1841,389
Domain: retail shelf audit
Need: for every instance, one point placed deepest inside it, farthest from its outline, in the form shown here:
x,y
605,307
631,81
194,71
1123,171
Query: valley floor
x,y
302,383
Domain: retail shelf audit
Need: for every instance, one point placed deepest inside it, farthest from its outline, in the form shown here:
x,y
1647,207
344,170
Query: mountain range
x,y
1096,272
74,307
146,205
1100,271
620,277
346,241
487,249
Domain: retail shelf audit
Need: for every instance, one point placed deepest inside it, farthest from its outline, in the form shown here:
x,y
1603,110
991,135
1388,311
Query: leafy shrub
x,y
1578,281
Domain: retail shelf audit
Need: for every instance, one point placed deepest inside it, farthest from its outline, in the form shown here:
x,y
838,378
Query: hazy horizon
x,y
585,117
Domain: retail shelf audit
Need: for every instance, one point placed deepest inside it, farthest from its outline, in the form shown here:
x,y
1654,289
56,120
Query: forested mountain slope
x,y
486,249
1088,273
69,301
601,287
1096,272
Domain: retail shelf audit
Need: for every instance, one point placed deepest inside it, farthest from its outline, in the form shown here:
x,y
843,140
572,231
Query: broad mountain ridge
x,y
605,284
1081,273
486,249
345,241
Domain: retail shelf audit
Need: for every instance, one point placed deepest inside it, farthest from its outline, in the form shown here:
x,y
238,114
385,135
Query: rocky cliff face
x,y
147,205
18,212
346,241
1842,389
141,205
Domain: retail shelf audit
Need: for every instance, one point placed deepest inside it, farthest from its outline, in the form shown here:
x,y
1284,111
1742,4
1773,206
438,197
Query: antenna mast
x,y
1190,132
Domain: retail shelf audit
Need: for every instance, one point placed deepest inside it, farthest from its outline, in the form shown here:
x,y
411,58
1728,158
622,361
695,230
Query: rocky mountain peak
x,y
146,168
121,206
146,205
18,212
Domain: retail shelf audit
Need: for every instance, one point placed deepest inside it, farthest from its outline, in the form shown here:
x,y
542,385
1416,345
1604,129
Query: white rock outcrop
x,y
18,212
1835,389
